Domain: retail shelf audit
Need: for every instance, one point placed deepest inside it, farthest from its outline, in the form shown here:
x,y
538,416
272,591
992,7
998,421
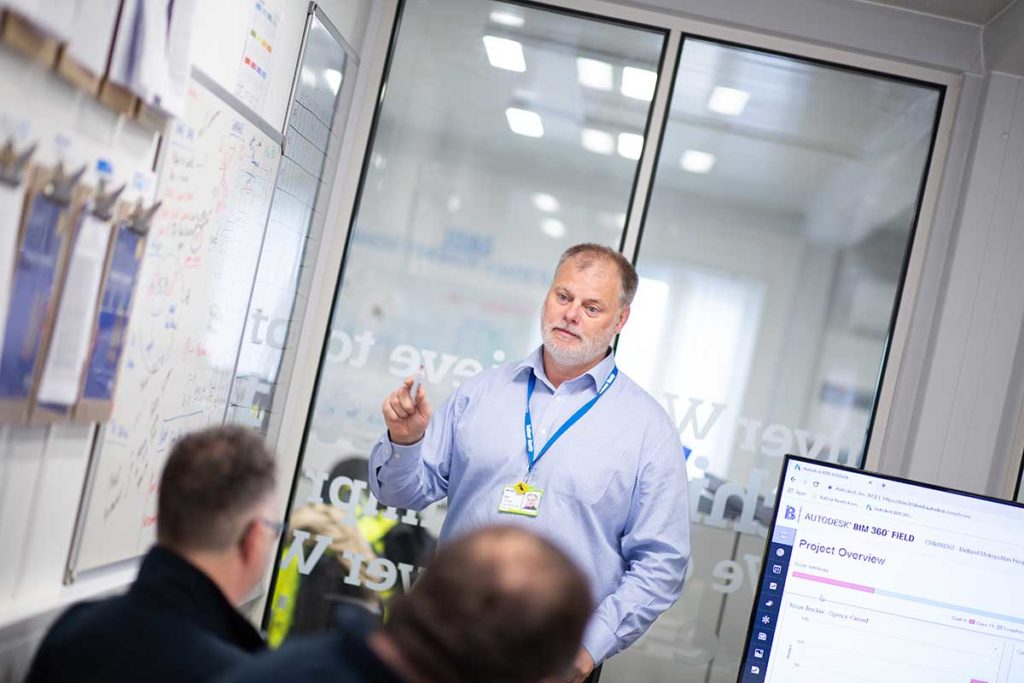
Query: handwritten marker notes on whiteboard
x,y
187,316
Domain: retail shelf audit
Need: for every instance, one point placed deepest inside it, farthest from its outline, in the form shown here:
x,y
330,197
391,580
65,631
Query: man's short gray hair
x,y
588,252
212,480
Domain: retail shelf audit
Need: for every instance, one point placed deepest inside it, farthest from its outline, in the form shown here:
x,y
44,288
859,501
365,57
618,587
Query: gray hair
x,y
588,253
212,480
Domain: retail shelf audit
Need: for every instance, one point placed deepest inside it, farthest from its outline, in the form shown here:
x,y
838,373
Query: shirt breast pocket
x,y
587,485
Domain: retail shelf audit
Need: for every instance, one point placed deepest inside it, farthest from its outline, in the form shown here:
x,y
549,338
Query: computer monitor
x,y
872,579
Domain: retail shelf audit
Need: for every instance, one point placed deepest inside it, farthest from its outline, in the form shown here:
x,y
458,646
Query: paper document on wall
x,y
179,56
11,199
122,61
31,291
76,314
254,73
90,42
150,78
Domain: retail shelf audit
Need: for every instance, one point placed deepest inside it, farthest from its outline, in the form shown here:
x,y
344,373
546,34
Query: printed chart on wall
x,y
216,182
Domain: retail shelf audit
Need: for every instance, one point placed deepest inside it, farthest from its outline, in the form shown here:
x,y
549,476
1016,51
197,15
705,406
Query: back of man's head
x,y
212,484
499,605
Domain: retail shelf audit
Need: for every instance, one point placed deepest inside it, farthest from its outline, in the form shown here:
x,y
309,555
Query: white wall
x,y
43,470
1004,41
968,402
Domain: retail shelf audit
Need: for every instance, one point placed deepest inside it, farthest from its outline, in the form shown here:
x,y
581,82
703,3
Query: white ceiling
x,y
827,153
972,11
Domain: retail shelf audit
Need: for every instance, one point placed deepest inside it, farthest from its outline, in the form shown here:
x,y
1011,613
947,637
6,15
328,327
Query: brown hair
x,y
499,605
588,252
212,480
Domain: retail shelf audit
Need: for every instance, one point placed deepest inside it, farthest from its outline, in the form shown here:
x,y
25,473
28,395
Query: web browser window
x,y
869,578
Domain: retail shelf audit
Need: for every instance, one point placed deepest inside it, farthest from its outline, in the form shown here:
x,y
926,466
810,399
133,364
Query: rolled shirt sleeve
x,y
415,476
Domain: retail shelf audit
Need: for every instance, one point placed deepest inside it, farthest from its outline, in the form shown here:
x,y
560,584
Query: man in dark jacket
x,y
178,621
500,605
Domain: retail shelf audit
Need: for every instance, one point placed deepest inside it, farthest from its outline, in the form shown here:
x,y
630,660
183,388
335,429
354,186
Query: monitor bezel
x,y
775,511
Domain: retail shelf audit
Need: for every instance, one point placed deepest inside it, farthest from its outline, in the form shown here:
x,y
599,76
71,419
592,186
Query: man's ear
x,y
623,317
248,540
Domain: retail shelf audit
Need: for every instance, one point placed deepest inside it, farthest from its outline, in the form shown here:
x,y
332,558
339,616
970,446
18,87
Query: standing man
x,y
600,457
178,621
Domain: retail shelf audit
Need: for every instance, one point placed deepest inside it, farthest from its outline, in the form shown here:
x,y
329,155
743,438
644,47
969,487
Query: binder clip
x,y
140,218
13,164
62,185
105,201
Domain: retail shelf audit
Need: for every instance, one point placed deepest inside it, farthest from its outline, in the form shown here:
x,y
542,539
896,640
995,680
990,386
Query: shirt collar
x,y
535,361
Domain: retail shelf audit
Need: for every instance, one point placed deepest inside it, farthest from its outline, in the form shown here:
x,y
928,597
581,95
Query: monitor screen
x,y
871,579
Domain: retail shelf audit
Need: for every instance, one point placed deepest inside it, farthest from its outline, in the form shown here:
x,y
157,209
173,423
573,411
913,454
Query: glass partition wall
x,y
772,254
771,261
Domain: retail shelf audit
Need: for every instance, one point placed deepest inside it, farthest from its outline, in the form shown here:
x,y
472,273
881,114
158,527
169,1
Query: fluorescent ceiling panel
x,y
594,73
507,19
697,162
545,202
630,145
728,101
524,122
505,53
553,227
638,83
598,141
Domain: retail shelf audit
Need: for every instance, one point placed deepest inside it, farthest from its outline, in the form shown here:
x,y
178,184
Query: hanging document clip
x,y
62,185
105,201
13,164
140,218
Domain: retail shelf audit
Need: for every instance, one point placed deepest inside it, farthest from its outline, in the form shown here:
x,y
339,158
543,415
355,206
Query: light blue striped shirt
x,y
615,488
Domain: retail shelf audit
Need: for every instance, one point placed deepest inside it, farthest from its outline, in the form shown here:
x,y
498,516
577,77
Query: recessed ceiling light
x,y
597,141
697,162
524,122
506,19
553,227
308,77
545,202
505,53
728,101
630,145
454,203
333,78
594,73
638,83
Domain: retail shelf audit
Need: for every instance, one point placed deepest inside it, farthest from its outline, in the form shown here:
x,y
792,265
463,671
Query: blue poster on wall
x,y
115,302
31,292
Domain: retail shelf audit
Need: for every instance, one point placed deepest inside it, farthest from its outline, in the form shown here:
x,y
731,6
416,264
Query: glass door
x,y
771,260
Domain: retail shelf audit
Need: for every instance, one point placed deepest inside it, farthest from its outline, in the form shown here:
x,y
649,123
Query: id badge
x,y
521,500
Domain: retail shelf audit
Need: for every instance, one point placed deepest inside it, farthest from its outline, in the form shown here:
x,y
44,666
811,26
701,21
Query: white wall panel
x,y
915,362
982,310
22,455
1004,41
52,521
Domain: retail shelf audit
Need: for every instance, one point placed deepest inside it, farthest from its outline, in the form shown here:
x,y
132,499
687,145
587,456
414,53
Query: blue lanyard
x,y
531,455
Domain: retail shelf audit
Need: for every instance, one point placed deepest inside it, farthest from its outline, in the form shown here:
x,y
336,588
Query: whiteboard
x,y
216,181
